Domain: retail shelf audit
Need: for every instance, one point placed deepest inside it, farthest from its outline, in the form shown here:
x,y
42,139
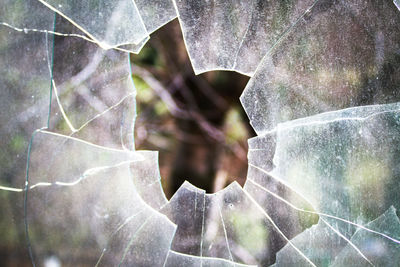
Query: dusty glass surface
x,y
341,54
323,178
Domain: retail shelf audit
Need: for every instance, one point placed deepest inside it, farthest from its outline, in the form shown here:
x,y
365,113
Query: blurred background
x,y
196,122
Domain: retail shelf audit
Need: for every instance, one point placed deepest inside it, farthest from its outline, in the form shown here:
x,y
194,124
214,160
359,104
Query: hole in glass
x,y
196,122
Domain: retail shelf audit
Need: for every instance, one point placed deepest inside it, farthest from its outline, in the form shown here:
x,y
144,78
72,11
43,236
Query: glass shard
x,y
234,35
156,13
339,55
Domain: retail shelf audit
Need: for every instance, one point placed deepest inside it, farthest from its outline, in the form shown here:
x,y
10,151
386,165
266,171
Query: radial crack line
x,y
115,232
277,228
12,189
104,112
93,171
26,30
26,189
202,228
86,174
243,39
286,33
40,184
79,78
281,181
282,126
69,123
225,234
170,247
71,127
133,239
317,122
348,241
166,258
91,144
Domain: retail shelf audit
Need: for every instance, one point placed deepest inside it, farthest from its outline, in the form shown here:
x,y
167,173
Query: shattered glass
x,y
324,172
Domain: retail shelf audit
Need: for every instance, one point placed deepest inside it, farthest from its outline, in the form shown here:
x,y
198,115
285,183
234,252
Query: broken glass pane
x,y
323,178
